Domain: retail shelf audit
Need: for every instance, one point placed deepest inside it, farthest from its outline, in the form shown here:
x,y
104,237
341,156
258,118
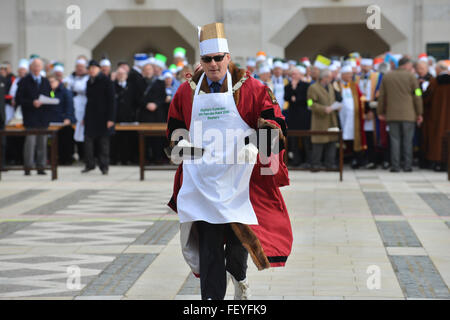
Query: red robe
x,y
269,243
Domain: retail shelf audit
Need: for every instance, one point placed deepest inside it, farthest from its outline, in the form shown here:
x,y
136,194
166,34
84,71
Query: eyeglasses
x,y
208,59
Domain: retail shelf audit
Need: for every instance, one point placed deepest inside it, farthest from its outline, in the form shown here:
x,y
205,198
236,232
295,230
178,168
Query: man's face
x,y
315,72
422,68
157,70
36,67
216,70
93,71
106,70
346,76
22,72
265,76
80,69
147,71
3,72
326,80
125,67
277,72
366,69
121,74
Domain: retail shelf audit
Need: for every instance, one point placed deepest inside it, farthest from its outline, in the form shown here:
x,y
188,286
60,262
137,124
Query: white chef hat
x,y
347,68
264,68
367,62
105,63
23,63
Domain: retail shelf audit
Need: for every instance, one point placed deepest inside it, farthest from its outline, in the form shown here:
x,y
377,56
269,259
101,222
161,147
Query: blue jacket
x,y
64,110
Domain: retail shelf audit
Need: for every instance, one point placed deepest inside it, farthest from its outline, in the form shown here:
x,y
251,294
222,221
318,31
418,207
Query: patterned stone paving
x,y
397,234
381,203
439,202
123,241
419,278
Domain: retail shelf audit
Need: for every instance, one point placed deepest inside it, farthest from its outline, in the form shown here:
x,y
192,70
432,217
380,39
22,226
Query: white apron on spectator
x,y
214,190
347,114
278,90
78,85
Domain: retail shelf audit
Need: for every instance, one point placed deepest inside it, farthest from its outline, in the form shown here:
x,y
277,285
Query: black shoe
x,y
407,170
42,172
394,170
386,165
305,166
104,171
315,169
355,164
27,172
86,170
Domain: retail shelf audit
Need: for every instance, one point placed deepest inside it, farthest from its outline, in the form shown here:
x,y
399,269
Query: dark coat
x,y
154,91
437,123
299,116
28,91
124,97
135,81
100,106
64,110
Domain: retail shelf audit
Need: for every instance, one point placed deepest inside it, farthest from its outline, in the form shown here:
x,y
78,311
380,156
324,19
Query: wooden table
x,y
18,130
303,133
147,130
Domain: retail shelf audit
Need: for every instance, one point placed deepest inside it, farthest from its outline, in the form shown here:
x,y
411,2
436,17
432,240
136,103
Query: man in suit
x,y
35,115
400,104
124,145
151,109
321,96
99,118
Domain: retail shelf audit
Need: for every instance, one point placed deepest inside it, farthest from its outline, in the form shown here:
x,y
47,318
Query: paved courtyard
x,y
377,235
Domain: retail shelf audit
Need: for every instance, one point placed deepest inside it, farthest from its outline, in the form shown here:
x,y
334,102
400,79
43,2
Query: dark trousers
x,y
215,260
401,134
14,149
307,150
65,145
124,147
101,144
328,150
154,146
372,156
356,157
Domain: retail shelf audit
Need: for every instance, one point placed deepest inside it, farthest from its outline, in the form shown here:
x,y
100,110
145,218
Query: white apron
x,y
211,191
78,85
366,87
347,115
278,90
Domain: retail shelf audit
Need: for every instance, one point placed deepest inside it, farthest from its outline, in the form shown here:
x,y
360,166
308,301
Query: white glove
x,y
373,104
248,154
184,143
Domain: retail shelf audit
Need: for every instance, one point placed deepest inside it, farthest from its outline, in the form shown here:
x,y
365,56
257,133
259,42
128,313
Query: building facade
x,y
63,29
